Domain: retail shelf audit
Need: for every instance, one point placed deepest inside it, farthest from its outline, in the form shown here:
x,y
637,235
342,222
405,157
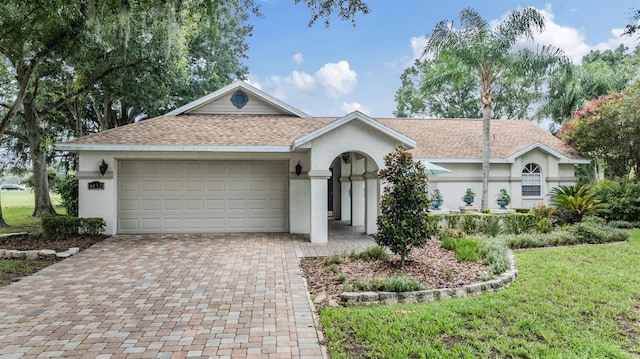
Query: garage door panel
x,y
194,205
172,185
151,205
202,196
216,186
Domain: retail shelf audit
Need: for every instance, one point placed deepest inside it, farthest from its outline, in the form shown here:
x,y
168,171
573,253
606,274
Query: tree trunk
x,y
486,154
35,136
2,222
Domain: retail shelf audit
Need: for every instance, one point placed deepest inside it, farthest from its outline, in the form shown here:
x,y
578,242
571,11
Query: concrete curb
x,y
434,295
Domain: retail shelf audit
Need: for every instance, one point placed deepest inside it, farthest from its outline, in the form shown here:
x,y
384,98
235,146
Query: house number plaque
x,y
96,185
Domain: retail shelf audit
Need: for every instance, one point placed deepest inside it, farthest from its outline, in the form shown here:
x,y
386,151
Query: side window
x,y
531,180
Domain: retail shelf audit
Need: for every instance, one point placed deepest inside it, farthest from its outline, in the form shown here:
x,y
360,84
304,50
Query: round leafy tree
x,y
402,224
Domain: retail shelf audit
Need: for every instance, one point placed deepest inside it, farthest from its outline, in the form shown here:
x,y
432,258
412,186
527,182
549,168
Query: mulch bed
x,y
433,266
26,242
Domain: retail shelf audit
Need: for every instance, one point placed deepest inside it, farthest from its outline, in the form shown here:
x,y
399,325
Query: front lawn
x,y
576,302
17,208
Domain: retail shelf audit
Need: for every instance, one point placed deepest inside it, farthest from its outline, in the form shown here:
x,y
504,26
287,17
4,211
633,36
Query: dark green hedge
x,y
56,226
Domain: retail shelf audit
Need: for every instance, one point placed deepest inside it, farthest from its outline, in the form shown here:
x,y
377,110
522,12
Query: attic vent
x,y
239,99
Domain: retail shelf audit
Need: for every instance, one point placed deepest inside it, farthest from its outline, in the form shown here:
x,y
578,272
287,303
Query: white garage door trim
x,y
202,196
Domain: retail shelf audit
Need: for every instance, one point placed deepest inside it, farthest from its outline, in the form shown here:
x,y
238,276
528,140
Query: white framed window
x,y
531,180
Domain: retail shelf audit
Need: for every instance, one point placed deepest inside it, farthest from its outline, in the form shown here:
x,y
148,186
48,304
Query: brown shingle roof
x,y
462,138
209,130
435,138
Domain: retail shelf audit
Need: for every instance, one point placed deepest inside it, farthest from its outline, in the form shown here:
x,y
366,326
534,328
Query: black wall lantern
x,y
298,169
346,156
103,167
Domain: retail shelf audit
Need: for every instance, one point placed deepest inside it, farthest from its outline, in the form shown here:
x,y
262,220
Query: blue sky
x,y
333,71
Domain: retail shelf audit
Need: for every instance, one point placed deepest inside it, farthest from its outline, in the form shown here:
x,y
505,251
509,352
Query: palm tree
x,y
489,52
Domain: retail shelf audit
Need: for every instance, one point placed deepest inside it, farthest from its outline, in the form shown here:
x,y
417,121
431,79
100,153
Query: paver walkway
x,y
165,297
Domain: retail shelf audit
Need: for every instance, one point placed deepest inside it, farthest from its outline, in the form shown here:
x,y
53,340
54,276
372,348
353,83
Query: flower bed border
x,y
434,295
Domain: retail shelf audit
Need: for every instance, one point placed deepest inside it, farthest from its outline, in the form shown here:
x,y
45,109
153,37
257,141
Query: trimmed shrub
x,y
622,224
537,240
452,220
56,226
470,224
493,252
522,210
398,283
595,234
594,220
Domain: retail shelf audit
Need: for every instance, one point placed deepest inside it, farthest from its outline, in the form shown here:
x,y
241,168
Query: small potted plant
x,y
436,199
503,198
469,196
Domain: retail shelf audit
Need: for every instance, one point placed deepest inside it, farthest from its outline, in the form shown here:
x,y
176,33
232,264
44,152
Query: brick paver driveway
x,y
165,297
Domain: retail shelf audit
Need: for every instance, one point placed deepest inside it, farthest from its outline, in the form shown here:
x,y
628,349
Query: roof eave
x,y
170,148
353,116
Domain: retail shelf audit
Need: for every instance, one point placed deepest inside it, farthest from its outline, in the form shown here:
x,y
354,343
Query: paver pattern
x,y
185,296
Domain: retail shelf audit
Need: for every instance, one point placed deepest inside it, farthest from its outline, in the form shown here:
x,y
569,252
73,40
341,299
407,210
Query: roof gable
x,y
220,103
354,116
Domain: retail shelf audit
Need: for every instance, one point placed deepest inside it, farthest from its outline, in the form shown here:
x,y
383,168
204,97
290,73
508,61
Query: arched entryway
x,y
352,193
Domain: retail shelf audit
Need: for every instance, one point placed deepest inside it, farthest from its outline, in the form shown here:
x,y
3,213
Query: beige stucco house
x,y
240,160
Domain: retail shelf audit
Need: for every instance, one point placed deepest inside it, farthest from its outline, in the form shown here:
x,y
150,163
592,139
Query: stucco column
x,y
345,191
357,192
371,202
319,193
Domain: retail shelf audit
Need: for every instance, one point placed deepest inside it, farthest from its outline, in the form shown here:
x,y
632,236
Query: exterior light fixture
x,y
103,167
298,169
346,156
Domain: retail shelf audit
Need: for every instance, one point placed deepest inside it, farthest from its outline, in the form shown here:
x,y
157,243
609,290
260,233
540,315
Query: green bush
x,y
595,234
68,191
332,259
399,283
594,220
445,232
465,249
522,210
622,200
622,224
518,223
543,225
538,240
377,253
493,252
491,226
575,202
56,226
403,223
452,220
470,224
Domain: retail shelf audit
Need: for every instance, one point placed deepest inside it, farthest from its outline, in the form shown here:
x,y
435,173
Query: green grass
x,y
12,269
580,302
12,199
17,208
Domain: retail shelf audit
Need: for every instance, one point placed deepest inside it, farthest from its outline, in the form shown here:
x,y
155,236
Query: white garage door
x,y
202,196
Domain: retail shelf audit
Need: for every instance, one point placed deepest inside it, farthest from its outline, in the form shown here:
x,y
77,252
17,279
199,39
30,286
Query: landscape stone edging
x,y
433,295
35,254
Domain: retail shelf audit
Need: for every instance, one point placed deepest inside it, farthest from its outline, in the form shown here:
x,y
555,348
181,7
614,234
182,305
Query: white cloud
x,y
298,58
337,78
353,106
295,84
569,39
417,45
